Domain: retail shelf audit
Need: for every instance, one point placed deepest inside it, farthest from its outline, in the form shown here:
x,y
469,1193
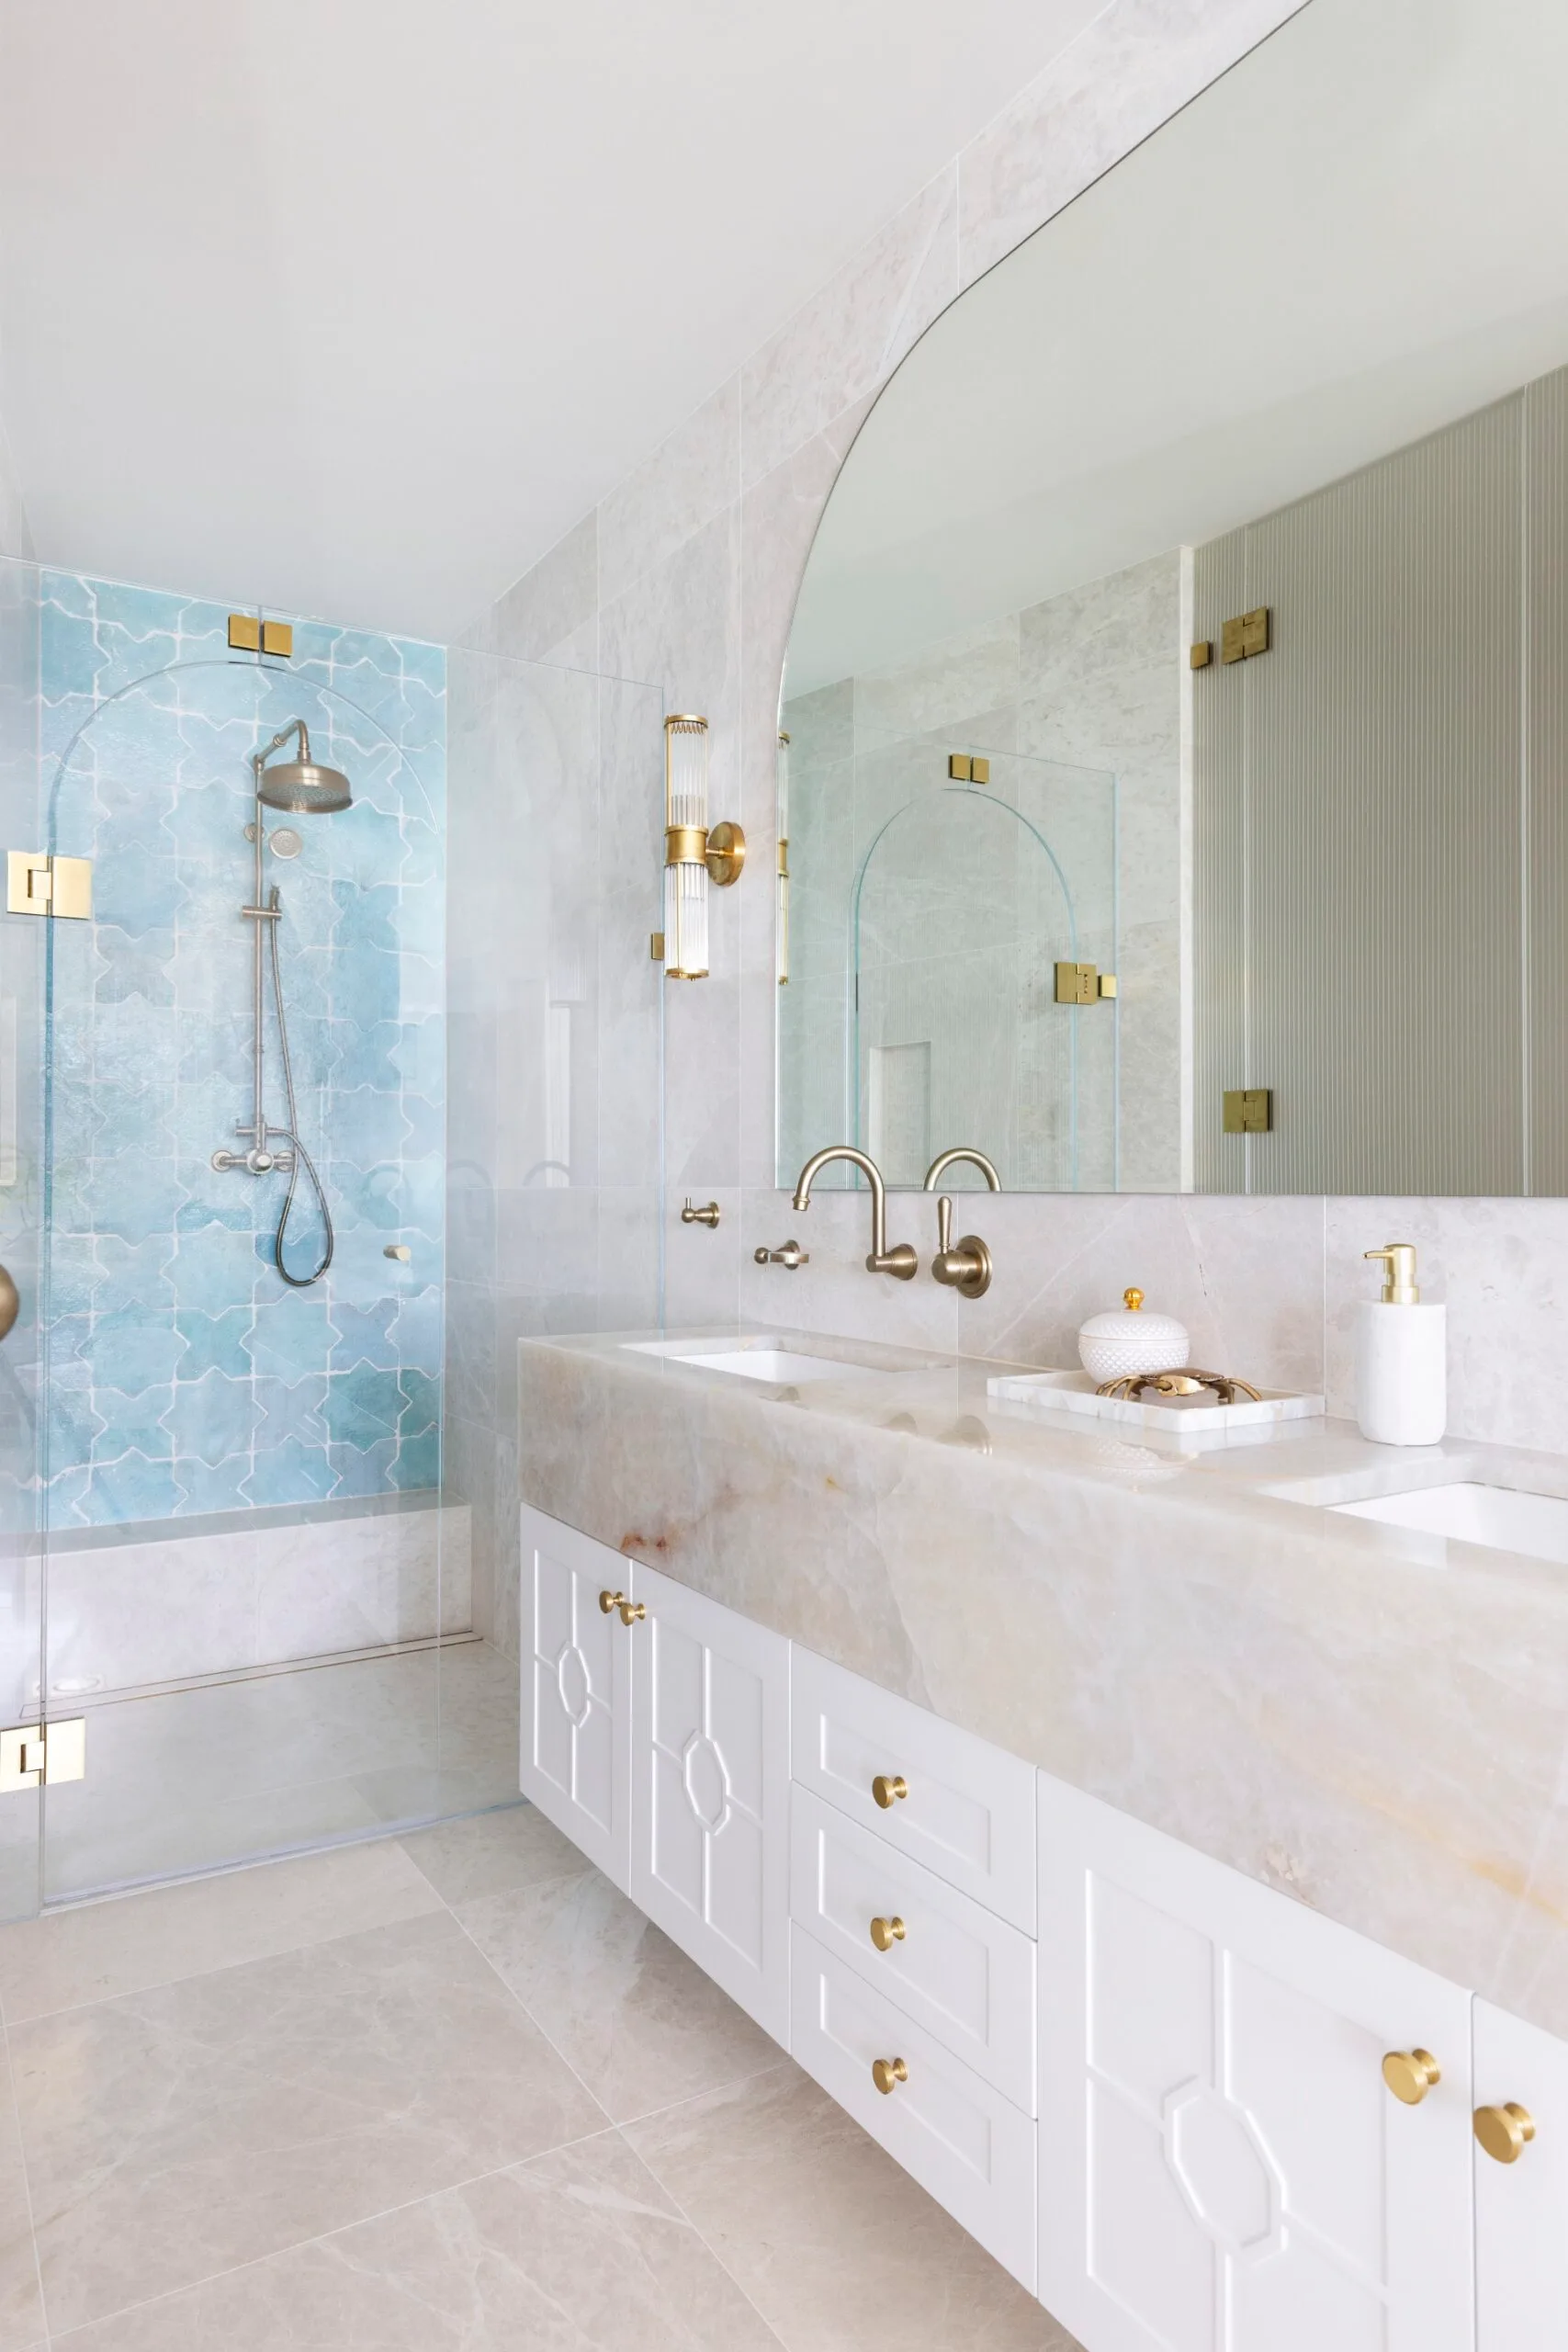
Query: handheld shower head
x,y
303,786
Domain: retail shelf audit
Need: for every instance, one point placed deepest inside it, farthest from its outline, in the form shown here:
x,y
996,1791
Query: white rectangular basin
x,y
1534,1524
782,1366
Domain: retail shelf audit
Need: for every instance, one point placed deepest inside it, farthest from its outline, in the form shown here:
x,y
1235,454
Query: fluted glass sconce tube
x,y
694,854
781,927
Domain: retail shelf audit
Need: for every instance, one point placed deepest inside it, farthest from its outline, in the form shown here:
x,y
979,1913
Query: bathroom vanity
x,y
1162,1862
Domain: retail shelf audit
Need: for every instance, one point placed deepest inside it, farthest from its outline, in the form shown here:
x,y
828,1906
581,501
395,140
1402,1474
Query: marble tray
x,y
1073,1391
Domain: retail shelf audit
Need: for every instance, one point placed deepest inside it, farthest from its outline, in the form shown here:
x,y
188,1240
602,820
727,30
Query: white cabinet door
x,y
710,1791
960,2138
956,1804
576,1689
1223,2167
942,1958
1522,2204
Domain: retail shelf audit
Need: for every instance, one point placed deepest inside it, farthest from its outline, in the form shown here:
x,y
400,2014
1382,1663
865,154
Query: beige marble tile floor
x,y
449,2093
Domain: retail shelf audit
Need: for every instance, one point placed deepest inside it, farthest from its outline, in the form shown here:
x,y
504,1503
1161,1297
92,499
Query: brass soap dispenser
x,y
1401,1357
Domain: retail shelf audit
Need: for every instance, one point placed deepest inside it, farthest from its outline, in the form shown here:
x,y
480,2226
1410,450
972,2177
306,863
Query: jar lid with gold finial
x,y
1128,1339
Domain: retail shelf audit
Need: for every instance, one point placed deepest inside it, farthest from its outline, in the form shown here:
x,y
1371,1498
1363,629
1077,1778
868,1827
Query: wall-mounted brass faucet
x,y
899,1262
965,1268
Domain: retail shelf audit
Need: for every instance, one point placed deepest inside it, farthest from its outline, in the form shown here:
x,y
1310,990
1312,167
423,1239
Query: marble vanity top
x,y
1372,1718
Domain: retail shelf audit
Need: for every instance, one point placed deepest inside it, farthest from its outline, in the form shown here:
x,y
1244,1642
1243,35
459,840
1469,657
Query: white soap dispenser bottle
x,y
1402,1384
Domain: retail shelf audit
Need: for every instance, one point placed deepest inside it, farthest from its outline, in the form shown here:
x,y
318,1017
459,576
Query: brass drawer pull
x,y
1504,2131
887,2074
886,1933
1410,2074
886,1787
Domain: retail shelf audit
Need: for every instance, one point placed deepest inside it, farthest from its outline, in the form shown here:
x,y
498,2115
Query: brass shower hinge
x,y
37,884
34,1755
247,634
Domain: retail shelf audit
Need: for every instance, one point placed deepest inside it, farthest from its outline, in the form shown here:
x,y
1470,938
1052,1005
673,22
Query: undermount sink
x,y
1536,1525
756,1359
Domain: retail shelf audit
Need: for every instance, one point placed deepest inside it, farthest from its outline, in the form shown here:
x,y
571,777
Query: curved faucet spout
x,y
900,1262
960,1151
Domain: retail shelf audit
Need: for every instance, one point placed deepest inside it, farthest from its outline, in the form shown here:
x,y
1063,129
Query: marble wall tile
x,y
850,337
549,605
174,2133
690,478
1125,73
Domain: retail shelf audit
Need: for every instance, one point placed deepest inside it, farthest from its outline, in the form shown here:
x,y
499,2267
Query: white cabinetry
x,y
1521,2189
576,1740
710,1791
1222,2166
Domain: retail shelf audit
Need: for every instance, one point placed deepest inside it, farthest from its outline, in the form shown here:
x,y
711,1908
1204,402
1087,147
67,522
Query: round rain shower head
x,y
303,786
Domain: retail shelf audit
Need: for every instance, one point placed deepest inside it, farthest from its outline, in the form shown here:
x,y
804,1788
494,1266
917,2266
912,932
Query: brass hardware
x,y
900,1262
1184,1381
38,884
1107,984
656,946
632,1611
1248,1109
278,637
1077,983
958,767
10,1302
979,771
946,1160
886,1787
724,854
1132,1300
1399,1273
685,845
34,1755
887,2074
1504,2131
708,1215
244,633
1202,654
1246,636
886,1933
965,1267
400,1250
1410,2074
610,1601
792,1255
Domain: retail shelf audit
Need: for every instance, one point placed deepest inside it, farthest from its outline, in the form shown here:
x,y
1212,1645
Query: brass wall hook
x,y
709,1216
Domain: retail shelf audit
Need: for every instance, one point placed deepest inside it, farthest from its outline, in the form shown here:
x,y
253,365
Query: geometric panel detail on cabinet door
x,y
1222,2166
576,1726
709,1859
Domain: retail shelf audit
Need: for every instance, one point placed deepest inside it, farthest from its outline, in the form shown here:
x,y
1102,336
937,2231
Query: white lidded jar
x,y
1401,1372
1126,1340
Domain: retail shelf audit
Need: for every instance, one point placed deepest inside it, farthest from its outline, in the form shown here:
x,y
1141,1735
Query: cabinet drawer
x,y
957,1969
966,2144
969,1811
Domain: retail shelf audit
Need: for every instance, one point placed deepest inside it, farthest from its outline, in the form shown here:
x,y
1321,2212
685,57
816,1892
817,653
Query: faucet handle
x,y
792,1255
966,1269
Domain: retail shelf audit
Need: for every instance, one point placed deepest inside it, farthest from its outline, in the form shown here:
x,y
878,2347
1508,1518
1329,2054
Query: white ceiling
x,y
1358,235
353,307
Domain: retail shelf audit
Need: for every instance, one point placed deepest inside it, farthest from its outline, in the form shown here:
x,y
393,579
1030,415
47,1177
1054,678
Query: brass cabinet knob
x,y
1504,2131
608,1600
632,1611
887,1786
1410,2074
887,2074
886,1933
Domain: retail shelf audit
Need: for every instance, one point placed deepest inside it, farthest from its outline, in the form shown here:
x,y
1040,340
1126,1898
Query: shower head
x,y
303,786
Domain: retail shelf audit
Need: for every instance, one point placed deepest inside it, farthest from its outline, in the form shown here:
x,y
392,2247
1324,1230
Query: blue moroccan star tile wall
x,y
185,1376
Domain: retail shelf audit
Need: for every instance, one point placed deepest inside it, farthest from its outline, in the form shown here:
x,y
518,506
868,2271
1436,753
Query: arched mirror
x,y
1176,701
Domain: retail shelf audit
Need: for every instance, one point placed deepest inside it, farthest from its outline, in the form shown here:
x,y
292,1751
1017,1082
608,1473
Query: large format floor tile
x,y
577,2252
640,2024
21,2303
838,2248
103,1949
172,2135
492,1852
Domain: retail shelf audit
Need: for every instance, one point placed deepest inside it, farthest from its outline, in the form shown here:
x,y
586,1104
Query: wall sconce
x,y
781,929
694,855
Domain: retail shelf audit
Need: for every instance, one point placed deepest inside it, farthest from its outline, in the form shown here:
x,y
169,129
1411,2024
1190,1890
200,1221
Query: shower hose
x,y
302,1158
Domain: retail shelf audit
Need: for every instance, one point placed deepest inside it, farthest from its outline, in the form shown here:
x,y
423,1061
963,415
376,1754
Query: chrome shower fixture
x,y
305,789
303,786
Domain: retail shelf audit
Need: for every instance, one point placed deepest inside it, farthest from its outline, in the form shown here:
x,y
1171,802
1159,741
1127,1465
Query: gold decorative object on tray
x,y
1180,1382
